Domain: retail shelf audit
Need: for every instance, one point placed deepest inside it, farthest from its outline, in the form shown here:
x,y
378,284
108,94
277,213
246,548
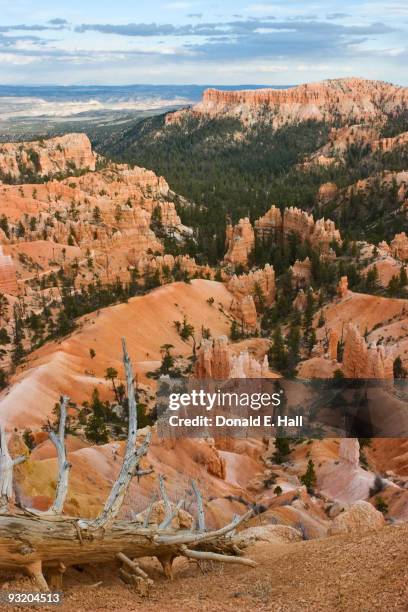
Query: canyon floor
x,y
364,572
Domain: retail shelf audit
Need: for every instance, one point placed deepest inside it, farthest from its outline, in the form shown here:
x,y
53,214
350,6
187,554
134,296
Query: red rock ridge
x,y
351,99
320,233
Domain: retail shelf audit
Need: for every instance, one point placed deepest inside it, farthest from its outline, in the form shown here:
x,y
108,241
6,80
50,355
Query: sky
x,y
231,42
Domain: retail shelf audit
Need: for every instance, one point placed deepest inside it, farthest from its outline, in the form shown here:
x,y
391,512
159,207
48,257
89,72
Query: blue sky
x,y
191,41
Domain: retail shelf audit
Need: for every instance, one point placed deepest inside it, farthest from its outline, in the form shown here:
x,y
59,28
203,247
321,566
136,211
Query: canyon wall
x,y
350,99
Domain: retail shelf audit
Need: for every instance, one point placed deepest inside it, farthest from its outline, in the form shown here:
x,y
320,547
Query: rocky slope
x,y
46,158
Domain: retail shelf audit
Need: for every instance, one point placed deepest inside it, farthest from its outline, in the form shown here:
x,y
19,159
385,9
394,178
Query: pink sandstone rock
x,y
359,518
300,301
246,284
244,310
320,233
362,361
333,344
215,360
301,273
342,287
399,246
240,240
327,192
48,157
349,451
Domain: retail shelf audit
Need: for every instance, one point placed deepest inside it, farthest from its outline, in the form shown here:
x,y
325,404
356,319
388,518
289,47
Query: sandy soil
x,y
342,573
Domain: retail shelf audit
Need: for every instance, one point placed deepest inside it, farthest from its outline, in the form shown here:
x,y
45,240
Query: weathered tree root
x,y
38,542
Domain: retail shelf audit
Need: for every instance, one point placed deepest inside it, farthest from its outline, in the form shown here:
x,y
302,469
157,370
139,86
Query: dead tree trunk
x,y
6,471
34,541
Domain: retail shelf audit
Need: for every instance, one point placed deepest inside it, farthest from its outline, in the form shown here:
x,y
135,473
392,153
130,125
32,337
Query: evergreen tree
x,y
282,448
277,353
309,477
398,368
403,277
293,344
235,333
95,430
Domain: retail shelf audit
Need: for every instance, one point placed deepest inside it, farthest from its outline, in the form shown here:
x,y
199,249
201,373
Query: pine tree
x,y
398,368
95,429
293,344
282,448
235,333
309,477
403,277
277,353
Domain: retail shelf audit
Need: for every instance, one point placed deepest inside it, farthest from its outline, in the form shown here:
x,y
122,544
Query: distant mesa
x,y
351,99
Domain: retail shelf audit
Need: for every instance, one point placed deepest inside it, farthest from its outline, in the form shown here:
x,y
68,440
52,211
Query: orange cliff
x,y
47,157
351,99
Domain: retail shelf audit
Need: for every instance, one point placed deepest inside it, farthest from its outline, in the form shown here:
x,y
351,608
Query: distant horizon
x,y
186,85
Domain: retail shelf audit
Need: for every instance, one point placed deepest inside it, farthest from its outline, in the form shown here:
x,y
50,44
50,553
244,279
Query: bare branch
x,y
165,498
148,514
211,556
139,473
131,458
132,565
200,509
6,471
167,519
193,538
63,464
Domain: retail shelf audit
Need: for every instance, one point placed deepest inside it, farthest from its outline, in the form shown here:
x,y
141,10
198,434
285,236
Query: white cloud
x,y
18,60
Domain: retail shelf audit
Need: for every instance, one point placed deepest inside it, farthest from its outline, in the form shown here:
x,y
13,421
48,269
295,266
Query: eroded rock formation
x,y
239,242
320,233
342,287
244,309
216,360
47,157
399,246
363,361
333,343
301,273
259,281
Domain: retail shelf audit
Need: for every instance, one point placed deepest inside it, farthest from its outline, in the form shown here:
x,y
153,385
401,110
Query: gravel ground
x,y
343,573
